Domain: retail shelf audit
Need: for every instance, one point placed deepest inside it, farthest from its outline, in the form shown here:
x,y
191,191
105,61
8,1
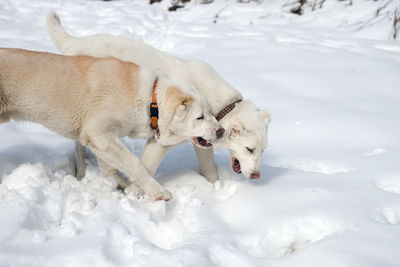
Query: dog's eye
x,y
251,150
201,117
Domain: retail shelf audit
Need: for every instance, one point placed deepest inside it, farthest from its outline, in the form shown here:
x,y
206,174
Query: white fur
x,y
245,126
97,100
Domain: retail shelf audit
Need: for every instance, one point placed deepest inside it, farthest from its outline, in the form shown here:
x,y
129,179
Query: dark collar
x,y
227,109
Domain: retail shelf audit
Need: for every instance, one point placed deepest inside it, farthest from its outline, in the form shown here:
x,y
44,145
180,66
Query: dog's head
x,y
246,137
185,115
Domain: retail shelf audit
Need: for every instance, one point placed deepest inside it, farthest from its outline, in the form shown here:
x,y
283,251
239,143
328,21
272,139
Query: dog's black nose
x,y
220,132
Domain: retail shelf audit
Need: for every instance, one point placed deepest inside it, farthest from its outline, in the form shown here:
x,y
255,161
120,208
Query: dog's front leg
x,y
80,161
207,165
113,152
153,154
108,171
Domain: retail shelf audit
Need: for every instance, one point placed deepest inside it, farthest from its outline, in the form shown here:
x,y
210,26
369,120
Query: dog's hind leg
x,y
3,118
3,106
207,165
80,161
3,113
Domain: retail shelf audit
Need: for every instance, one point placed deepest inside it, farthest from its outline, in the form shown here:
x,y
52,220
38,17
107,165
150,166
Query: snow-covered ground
x,y
329,194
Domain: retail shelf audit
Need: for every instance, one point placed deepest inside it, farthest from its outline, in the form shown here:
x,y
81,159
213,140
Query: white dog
x,y
245,124
98,100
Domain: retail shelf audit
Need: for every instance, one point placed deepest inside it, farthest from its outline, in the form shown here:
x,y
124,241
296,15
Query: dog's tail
x,y
57,33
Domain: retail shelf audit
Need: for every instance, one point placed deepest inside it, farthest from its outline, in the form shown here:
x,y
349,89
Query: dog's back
x,y
30,83
59,91
46,88
207,81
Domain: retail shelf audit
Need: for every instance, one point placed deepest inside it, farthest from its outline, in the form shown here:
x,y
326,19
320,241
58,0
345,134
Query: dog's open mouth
x,y
236,165
202,142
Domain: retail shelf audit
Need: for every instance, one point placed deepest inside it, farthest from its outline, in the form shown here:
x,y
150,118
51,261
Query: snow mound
x,y
290,237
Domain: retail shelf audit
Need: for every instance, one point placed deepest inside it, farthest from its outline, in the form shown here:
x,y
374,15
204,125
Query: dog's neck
x,y
161,131
218,92
227,122
154,109
220,97
227,109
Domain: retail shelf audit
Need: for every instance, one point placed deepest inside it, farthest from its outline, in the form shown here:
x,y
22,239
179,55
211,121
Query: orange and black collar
x,y
154,109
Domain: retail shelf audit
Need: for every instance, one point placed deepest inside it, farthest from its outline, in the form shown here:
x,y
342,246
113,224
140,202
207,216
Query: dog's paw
x,y
134,190
122,184
156,191
161,194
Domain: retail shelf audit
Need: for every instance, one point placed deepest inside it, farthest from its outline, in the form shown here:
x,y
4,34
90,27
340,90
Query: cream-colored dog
x,y
245,124
98,100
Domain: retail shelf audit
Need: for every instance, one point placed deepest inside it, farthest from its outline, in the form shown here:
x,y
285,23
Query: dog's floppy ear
x,y
184,102
237,129
175,105
265,116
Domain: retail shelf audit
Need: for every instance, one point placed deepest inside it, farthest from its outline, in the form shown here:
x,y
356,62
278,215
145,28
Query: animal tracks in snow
x,y
390,215
315,166
389,185
376,151
225,189
289,238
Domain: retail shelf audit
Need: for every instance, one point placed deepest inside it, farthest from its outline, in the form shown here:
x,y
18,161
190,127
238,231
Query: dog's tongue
x,y
203,142
236,166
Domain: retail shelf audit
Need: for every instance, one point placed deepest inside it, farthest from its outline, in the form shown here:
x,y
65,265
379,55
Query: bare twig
x,y
396,24
216,17
378,11
299,10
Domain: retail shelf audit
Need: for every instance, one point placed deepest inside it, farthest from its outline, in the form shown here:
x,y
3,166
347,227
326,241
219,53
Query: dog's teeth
x,y
203,142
